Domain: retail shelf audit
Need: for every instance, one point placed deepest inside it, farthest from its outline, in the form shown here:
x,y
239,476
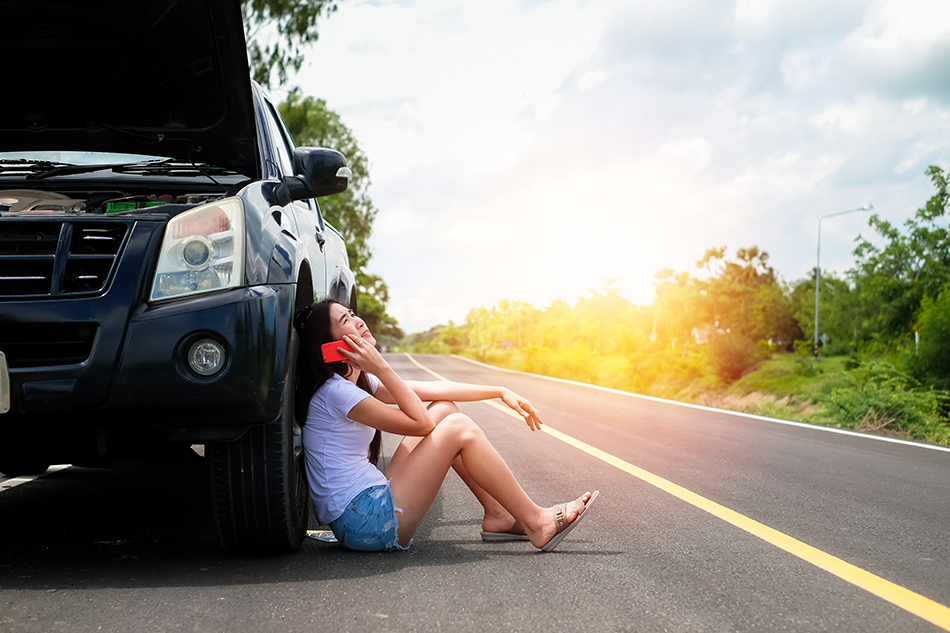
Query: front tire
x,y
258,484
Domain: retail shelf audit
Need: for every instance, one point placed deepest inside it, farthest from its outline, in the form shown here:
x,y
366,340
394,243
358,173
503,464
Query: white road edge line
x,y
803,425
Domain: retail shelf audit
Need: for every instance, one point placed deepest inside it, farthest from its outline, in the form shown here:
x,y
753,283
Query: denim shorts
x,y
369,522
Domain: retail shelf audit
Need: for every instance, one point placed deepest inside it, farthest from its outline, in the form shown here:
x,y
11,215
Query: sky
x,y
532,149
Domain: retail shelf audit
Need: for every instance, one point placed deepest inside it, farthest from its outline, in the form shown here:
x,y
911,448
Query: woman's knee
x,y
459,425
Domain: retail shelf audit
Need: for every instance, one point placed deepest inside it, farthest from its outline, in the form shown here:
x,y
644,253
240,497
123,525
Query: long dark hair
x,y
313,323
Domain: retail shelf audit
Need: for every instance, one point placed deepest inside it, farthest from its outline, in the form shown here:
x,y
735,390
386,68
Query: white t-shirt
x,y
335,448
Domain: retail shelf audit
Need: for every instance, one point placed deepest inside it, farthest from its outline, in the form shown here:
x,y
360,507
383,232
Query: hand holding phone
x,y
330,353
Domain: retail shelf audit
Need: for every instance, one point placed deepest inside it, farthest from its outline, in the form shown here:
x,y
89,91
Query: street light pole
x,y
866,207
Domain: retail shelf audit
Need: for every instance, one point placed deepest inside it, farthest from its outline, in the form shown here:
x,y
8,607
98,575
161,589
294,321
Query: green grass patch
x,y
789,374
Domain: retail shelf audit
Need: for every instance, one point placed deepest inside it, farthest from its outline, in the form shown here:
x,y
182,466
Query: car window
x,y
284,153
284,134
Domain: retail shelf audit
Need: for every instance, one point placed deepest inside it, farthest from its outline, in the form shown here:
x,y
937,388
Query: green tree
x,y
740,296
892,281
840,311
557,329
295,23
680,307
603,317
772,316
736,288
451,337
373,297
478,328
934,325
743,296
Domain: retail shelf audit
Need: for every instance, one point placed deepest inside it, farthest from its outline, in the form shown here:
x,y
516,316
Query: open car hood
x,y
152,77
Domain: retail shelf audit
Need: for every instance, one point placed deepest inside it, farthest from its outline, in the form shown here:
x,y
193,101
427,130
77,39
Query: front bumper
x,y
146,382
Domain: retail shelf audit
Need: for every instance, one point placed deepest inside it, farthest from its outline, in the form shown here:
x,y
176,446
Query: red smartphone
x,y
330,355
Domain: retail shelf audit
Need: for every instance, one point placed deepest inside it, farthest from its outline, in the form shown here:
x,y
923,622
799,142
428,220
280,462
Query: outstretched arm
x,y
433,390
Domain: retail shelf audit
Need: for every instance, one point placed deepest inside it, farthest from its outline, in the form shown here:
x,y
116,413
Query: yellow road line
x,y
922,607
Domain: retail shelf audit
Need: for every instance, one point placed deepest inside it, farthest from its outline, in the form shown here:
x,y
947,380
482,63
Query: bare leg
x,y
417,476
496,518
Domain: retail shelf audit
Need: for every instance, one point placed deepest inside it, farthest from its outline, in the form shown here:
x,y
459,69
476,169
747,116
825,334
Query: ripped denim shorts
x,y
369,522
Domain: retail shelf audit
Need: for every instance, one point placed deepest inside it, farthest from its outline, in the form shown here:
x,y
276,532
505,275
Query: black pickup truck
x,y
158,232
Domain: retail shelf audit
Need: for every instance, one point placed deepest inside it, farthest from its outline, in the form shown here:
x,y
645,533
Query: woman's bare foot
x,y
541,532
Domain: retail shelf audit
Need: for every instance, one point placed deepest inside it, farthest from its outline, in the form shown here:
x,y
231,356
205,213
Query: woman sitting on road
x,y
345,407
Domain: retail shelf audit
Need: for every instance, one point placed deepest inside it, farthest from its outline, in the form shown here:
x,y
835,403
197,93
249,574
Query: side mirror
x,y
323,171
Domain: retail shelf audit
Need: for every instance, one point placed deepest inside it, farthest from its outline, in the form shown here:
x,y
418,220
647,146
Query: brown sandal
x,y
560,520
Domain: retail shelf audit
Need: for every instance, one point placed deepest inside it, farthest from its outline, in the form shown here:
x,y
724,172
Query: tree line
x,y
889,315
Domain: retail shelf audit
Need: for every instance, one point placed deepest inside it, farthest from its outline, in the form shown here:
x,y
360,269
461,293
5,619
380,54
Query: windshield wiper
x,y
15,165
55,169
175,167
163,167
160,167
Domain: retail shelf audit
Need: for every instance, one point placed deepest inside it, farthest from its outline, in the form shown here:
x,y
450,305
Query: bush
x,y
571,363
934,319
837,347
431,347
884,399
731,355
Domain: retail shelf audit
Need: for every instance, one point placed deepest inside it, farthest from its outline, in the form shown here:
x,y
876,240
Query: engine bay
x,y
18,202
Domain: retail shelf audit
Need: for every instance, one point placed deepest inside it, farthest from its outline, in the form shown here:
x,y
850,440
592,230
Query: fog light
x,y
206,357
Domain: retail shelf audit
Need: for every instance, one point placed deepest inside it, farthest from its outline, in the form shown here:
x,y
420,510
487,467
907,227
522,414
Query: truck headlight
x,y
203,251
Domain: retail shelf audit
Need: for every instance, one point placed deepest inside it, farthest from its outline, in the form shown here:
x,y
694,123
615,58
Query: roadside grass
x,y
875,396
789,374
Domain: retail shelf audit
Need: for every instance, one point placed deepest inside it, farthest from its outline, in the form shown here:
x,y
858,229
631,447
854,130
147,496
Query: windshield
x,y
79,158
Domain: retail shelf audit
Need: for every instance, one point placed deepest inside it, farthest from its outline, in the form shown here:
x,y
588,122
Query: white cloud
x,y
803,68
901,50
692,155
854,118
590,79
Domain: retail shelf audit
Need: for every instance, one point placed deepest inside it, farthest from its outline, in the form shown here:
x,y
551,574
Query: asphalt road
x,y
733,524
